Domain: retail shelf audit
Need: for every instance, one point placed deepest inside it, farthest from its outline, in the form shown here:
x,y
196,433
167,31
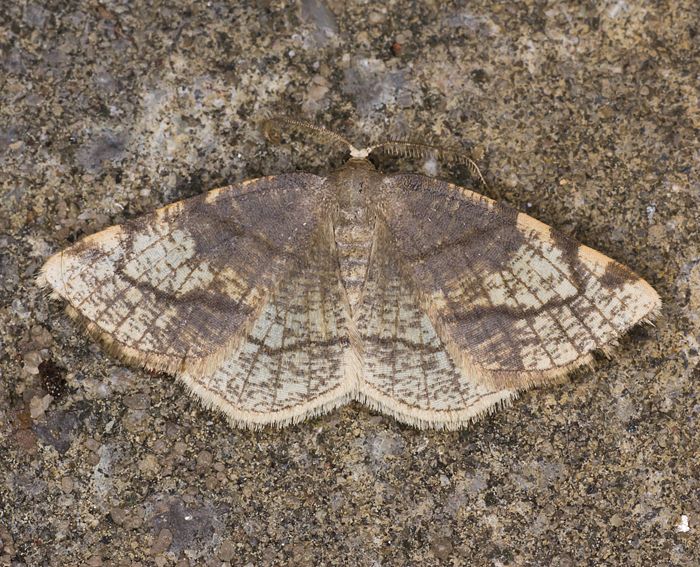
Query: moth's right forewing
x,y
516,302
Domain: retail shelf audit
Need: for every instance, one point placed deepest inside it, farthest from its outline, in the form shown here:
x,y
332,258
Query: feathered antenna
x,y
272,127
403,148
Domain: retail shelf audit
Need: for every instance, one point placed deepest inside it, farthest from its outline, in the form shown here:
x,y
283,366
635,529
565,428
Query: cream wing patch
x,y
162,259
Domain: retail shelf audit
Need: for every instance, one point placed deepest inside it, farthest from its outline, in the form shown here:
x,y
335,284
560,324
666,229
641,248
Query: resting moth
x,y
283,297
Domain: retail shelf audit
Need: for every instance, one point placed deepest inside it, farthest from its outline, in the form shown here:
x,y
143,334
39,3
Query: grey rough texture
x,y
584,115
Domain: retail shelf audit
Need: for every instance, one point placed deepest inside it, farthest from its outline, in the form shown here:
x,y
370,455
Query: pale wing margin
x,y
515,302
175,290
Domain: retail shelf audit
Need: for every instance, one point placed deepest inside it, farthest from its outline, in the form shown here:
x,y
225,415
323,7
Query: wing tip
x,y
49,273
522,381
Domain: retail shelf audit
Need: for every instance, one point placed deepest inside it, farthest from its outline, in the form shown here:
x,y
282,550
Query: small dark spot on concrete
x,y
490,499
53,378
479,76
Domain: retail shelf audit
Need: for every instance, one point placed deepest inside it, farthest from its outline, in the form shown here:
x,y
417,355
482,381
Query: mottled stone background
x,y
584,114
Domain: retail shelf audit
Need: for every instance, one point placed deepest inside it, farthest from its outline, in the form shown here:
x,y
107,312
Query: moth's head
x,y
362,154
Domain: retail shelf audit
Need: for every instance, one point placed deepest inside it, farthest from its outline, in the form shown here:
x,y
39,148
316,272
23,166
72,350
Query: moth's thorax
x,y
354,222
354,183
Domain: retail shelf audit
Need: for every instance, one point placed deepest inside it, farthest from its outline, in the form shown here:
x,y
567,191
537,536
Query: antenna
x,y
403,148
272,127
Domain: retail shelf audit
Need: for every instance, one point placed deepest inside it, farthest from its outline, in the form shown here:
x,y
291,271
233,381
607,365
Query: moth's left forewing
x,y
515,302
177,289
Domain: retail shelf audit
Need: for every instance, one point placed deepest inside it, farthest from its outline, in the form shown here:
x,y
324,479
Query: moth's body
x,y
283,297
351,188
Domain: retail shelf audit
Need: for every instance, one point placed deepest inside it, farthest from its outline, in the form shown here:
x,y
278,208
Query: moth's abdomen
x,y
353,237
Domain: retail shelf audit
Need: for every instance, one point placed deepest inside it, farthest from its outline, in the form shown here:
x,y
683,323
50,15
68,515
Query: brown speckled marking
x,y
283,297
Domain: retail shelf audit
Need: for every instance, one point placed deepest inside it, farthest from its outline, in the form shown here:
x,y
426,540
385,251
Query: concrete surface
x,y
585,115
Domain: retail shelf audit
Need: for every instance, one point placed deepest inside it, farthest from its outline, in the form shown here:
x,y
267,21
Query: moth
x,y
283,297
